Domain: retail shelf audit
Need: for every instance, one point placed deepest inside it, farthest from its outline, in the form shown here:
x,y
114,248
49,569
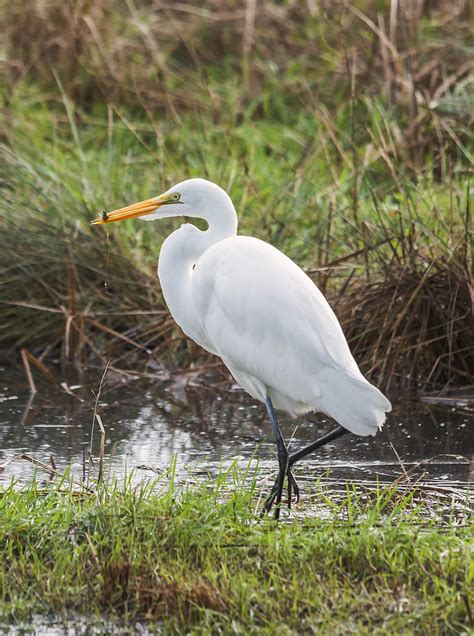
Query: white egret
x,y
245,301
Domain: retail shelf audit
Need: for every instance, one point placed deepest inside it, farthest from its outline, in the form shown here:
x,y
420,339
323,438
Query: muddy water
x,y
146,425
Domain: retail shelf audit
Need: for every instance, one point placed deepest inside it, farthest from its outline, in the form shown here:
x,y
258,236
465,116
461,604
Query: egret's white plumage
x,y
278,336
245,301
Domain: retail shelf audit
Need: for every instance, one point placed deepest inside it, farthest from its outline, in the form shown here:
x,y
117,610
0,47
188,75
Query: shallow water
x,y
74,625
146,425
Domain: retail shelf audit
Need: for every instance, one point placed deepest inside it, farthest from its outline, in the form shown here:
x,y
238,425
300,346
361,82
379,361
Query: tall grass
x,y
341,131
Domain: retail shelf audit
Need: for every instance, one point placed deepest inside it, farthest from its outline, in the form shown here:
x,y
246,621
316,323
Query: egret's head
x,y
193,197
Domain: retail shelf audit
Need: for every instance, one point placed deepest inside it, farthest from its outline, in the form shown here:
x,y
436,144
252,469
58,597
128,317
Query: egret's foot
x,y
270,500
276,493
293,489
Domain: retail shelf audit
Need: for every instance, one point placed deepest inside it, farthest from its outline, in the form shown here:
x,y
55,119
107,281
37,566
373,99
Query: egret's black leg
x,y
283,457
325,439
286,461
294,457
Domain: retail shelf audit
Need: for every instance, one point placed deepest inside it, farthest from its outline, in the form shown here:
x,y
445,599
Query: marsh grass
x,y
200,556
341,131
92,295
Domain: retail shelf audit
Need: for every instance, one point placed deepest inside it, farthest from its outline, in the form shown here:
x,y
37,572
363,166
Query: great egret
x,y
245,301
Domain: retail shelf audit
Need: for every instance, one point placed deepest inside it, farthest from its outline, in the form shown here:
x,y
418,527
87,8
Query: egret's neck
x,y
179,254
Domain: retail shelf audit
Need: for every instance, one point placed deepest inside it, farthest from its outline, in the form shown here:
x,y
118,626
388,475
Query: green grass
x,y
388,560
290,183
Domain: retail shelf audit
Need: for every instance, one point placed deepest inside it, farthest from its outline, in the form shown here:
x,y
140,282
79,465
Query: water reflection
x,y
147,424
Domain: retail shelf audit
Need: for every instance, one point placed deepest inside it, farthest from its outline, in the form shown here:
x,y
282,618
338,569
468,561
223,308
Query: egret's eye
x,y
175,196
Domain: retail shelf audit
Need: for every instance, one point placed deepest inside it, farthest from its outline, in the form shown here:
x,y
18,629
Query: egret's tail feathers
x,y
355,403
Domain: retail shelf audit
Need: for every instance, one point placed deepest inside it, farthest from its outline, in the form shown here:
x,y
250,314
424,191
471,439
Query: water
x,y
147,424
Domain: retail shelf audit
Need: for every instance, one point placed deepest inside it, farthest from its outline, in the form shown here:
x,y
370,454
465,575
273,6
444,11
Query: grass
x,y
342,135
389,560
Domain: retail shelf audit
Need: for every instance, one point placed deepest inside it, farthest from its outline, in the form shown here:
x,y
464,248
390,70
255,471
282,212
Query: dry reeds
x,y
116,314
412,325
415,327
157,55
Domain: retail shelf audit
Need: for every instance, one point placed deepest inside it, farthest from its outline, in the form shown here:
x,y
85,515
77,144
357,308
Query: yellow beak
x,y
129,212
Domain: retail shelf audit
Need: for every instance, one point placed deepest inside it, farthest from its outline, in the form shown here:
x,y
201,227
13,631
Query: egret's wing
x,y
258,307
266,318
